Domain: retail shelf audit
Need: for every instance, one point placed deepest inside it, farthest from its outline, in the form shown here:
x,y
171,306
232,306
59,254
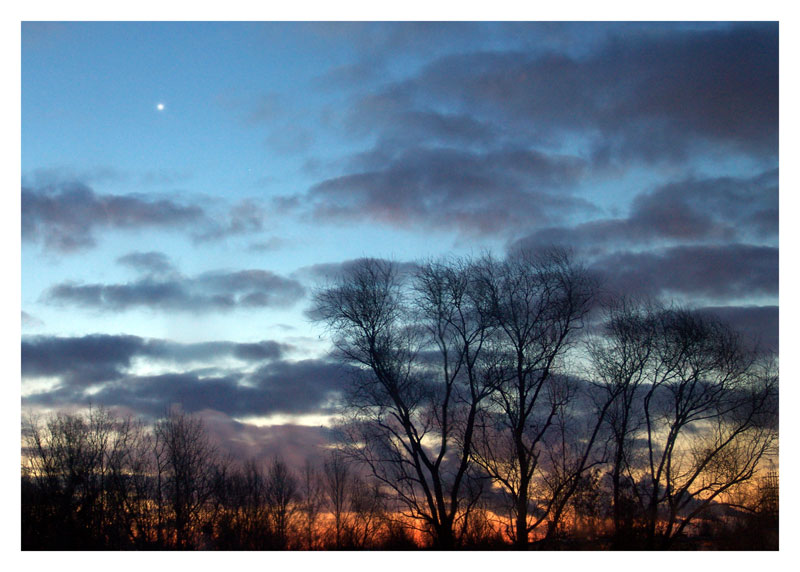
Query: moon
x,y
160,106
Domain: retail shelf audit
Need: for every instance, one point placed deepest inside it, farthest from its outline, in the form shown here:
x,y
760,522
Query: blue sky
x,y
167,255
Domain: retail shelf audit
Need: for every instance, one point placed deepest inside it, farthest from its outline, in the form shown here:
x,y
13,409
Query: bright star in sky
x,y
160,106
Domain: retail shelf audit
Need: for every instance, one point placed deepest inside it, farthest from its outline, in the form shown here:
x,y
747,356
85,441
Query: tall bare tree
x,y
620,354
536,301
418,344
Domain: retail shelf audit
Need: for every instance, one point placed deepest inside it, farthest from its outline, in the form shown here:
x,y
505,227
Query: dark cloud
x,y
79,361
721,209
207,292
758,324
294,386
88,360
717,272
475,141
65,217
652,95
209,351
103,363
452,189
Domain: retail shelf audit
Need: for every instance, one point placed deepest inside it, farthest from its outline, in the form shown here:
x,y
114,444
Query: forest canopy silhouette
x,y
489,403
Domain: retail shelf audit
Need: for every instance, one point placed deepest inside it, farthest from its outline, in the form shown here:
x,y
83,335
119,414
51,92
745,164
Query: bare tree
x,y
281,492
243,522
337,492
184,459
311,503
693,396
412,410
620,355
368,514
537,301
570,459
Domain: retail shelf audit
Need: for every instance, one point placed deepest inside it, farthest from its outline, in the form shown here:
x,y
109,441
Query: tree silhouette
x,y
412,411
536,302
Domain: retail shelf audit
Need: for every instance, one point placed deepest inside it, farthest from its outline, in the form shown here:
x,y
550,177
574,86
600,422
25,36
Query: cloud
x,y
492,140
400,124
719,209
245,217
758,324
271,244
331,271
65,217
475,193
147,262
207,292
100,369
652,95
379,40
99,358
80,360
30,321
720,272
293,443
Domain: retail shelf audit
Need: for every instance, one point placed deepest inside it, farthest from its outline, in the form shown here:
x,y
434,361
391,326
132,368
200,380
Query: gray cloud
x,y
651,95
30,321
451,189
758,324
147,262
718,272
279,386
469,142
720,209
65,217
207,292
293,443
271,244
245,217
91,359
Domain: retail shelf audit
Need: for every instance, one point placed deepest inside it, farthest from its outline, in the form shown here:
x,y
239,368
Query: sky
x,y
185,186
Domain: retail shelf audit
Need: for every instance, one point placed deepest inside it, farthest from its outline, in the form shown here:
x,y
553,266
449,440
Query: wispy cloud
x,y
208,292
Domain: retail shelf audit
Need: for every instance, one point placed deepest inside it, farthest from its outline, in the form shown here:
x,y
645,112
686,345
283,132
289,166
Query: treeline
x,y
93,481
496,403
